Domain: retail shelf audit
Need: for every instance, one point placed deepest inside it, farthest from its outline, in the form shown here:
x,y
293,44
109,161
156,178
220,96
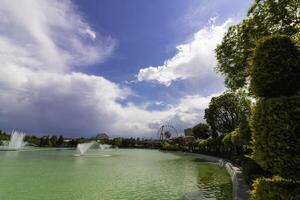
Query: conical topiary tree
x,y
275,80
276,67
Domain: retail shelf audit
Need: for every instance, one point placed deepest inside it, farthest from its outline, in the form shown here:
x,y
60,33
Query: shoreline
x,y
239,187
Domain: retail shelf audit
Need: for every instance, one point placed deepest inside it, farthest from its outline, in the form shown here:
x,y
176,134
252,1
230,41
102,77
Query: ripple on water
x,y
123,174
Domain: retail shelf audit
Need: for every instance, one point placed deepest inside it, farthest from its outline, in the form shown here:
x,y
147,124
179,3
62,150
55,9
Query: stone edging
x,y
240,188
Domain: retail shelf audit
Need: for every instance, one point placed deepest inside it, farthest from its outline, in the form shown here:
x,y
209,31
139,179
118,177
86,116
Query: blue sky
x,y
122,67
147,33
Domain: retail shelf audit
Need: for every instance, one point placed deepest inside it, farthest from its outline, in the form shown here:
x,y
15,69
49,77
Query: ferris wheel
x,y
166,132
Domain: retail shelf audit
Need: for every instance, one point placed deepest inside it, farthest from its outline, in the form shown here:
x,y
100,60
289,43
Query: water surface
x,y
123,174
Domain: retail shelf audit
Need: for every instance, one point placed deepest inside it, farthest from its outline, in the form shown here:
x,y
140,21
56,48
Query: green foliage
x,y
276,188
60,141
235,138
276,67
45,141
271,17
32,140
181,142
276,131
232,141
251,170
227,140
265,17
296,37
53,141
4,136
233,53
128,142
201,131
244,132
226,112
170,146
117,142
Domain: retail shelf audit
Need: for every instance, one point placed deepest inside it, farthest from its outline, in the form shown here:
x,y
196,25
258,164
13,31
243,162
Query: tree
x,y
60,141
53,141
201,131
275,139
276,67
117,142
45,141
265,17
233,54
275,122
227,111
4,136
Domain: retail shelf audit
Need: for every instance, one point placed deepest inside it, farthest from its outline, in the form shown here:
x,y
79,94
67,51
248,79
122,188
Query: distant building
x,y
102,136
188,132
189,135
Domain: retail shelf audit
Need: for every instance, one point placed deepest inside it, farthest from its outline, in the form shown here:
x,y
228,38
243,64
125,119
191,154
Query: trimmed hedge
x,y
276,135
276,67
251,170
275,189
245,132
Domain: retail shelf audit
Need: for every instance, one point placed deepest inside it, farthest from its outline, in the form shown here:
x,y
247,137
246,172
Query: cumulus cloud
x,y
186,113
53,32
195,59
42,44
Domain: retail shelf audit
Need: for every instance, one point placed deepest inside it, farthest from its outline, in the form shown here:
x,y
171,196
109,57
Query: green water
x,y
123,175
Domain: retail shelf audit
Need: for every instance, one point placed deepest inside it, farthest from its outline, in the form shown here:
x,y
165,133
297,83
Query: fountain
x,y
84,147
104,146
16,141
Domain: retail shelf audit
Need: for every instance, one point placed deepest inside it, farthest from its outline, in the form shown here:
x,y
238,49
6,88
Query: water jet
x,y
84,147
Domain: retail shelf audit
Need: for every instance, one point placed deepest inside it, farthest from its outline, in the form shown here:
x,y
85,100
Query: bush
x,y
171,146
276,67
251,170
235,138
276,131
244,132
276,188
227,140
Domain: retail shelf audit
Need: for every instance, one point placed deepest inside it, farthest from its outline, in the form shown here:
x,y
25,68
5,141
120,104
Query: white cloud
x,y
195,59
77,103
186,113
40,44
52,32
90,33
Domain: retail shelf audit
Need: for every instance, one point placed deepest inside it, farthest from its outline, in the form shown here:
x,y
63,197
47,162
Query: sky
x,y
122,67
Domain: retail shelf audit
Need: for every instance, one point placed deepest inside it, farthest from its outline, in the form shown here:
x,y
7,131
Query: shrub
x,y
235,138
244,132
169,146
251,170
276,131
227,140
276,188
276,67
